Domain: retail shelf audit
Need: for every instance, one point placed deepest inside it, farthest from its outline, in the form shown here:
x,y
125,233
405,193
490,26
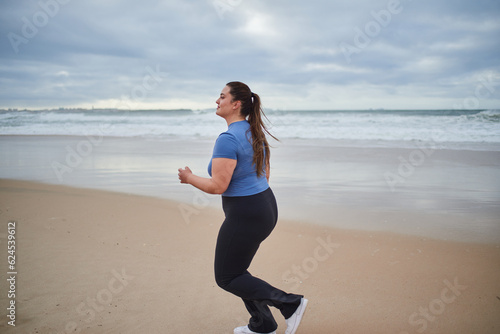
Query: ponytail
x,y
251,108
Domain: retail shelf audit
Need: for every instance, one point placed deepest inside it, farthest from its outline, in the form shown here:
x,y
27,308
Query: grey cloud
x,y
91,51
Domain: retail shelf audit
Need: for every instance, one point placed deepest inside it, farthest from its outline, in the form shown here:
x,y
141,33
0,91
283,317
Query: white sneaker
x,y
246,330
293,322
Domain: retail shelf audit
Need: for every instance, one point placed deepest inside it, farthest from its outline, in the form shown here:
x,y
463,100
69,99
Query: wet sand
x,y
423,189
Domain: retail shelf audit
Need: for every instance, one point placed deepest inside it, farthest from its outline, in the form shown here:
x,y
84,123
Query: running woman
x,y
239,171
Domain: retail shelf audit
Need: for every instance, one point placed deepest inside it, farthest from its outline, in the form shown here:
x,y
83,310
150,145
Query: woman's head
x,y
241,92
235,101
250,108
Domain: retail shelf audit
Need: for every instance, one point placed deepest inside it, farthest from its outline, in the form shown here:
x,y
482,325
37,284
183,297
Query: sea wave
x,y
455,126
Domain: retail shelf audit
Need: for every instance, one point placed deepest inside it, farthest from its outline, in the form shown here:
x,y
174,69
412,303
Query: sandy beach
x,y
91,261
380,239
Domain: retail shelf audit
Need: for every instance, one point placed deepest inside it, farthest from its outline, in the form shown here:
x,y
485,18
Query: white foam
x,y
381,126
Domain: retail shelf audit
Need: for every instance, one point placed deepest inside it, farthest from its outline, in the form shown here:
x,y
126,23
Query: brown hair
x,y
251,108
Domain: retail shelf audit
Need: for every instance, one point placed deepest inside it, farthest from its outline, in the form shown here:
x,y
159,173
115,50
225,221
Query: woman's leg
x,y
249,221
261,316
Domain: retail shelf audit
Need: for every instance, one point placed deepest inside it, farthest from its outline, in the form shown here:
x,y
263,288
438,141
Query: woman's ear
x,y
237,105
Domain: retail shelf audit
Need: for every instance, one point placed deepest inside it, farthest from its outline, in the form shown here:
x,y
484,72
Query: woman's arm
x,y
222,171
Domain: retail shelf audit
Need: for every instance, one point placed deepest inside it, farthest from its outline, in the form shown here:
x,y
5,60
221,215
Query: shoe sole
x,y
301,309
236,330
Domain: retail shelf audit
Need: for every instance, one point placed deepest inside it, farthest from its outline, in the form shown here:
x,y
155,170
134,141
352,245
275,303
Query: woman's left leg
x,y
250,220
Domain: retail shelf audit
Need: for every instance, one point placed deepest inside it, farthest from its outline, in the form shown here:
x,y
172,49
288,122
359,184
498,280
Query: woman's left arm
x,y
222,171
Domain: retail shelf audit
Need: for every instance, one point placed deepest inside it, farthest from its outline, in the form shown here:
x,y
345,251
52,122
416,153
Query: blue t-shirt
x,y
235,144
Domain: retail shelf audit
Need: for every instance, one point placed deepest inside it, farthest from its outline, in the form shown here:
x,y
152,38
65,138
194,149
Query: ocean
x,y
474,129
439,169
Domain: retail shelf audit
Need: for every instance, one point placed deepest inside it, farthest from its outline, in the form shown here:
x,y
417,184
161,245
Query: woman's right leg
x,y
248,222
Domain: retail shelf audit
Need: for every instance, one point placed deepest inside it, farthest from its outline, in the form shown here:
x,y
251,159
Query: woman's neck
x,y
234,120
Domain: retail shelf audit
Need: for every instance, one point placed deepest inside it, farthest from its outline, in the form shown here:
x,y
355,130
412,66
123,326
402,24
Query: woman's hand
x,y
222,172
184,174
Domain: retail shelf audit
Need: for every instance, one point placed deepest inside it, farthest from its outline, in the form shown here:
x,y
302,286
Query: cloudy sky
x,y
316,54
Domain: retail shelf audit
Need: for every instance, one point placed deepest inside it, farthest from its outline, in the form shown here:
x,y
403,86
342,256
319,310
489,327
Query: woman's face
x,y
224,105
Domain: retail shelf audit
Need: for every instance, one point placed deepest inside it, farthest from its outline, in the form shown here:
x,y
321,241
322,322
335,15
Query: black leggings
x,y
250,220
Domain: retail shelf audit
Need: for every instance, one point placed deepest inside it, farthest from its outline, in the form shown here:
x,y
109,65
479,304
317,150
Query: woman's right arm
x,y
222,172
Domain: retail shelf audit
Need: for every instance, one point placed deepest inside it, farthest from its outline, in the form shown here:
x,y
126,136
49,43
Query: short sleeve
x,y
226,146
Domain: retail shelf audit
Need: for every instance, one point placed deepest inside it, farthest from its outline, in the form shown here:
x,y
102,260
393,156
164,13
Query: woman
x,y
239,170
